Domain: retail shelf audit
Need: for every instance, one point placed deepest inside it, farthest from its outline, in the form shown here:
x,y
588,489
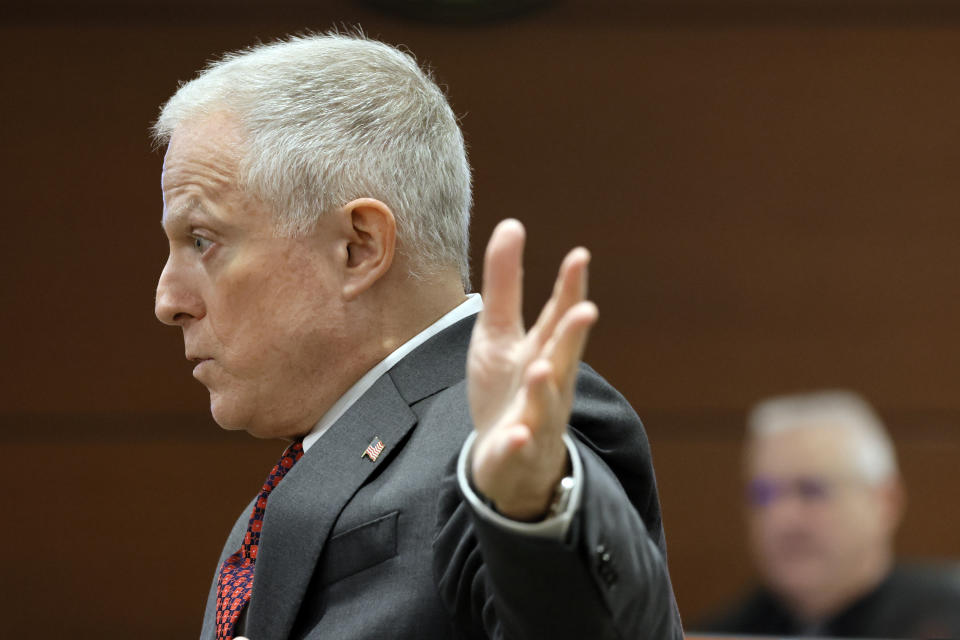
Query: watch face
x,y
460,11
561,496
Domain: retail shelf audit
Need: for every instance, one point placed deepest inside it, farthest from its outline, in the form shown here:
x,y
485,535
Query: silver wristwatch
x,y
561,497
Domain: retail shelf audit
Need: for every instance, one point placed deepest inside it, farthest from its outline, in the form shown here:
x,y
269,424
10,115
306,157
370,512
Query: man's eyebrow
x,y
184,210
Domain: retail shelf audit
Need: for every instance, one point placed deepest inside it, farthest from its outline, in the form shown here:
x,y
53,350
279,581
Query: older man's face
x,y
262,316
814,522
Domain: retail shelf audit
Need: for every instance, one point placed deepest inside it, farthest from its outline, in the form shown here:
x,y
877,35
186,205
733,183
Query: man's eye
x,y
201,244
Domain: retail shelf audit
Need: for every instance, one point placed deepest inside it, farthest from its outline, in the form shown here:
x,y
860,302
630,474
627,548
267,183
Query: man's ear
x,y
371,244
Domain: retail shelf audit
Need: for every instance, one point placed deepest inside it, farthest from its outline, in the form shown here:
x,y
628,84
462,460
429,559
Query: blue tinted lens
x,y
761,492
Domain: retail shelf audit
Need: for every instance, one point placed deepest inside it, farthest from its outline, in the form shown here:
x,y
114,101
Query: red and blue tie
x,y
236,575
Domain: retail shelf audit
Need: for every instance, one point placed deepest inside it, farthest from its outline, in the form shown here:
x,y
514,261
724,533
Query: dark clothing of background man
x,y
912,602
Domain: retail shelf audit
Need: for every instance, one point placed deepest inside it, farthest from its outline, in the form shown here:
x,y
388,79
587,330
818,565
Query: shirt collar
x,y
473,304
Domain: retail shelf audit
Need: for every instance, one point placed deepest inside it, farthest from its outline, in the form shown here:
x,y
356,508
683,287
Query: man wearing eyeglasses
x,y
824,500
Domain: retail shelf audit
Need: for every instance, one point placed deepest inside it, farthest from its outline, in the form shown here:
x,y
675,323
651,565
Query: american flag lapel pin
x,y
373,449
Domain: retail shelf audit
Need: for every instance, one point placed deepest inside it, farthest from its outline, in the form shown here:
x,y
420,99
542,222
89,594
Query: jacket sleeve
x,y
607,579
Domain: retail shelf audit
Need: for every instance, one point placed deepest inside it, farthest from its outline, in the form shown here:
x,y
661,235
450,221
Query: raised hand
x,y
520,383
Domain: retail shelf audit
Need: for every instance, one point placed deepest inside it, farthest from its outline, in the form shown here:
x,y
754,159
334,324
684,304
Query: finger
x,y
507,441
493,452
539,396
569,289
565,348
530,409
503,276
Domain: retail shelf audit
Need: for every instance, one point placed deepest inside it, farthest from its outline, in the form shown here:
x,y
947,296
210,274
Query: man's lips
x,y
199,361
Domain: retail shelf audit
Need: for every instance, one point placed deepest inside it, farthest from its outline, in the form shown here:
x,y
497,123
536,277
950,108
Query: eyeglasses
x,y
762,492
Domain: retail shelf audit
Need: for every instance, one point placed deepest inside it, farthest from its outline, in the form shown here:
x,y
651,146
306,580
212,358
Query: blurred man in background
x,y
824,501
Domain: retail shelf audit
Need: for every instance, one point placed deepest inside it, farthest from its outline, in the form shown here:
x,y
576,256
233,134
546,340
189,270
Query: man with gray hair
x,y
824,501
449,473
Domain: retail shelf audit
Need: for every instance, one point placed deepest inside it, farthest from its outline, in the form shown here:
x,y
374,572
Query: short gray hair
x,y
335,117
874,454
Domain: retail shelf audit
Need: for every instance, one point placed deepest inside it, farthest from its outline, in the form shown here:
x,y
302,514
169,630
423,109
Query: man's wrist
x,y
553,526
558,502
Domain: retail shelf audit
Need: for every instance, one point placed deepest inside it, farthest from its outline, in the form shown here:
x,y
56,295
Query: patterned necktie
x,y
236,575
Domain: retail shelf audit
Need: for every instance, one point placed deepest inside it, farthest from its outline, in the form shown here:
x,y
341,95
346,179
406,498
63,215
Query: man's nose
x,y
788,511
176,302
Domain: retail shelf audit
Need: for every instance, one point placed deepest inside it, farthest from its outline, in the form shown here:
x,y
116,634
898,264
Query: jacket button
x,y
605,566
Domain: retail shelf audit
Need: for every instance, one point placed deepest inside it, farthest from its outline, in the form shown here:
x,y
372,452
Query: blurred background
x,y
769,189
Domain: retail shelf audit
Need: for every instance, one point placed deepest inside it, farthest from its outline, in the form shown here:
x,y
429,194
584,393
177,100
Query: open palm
x,y
520,383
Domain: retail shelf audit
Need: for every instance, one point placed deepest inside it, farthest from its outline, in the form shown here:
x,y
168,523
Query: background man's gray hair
x,y
331,118
874,456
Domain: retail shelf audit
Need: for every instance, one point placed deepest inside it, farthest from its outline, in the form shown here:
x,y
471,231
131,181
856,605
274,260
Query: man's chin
x,y
797,578
226,415
230,418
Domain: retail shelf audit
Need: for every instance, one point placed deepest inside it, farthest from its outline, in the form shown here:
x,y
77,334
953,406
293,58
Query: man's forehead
x,y
203,156
213,141
215,128
807,448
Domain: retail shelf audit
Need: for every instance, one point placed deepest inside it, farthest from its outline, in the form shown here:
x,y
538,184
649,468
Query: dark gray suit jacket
x,y
355,549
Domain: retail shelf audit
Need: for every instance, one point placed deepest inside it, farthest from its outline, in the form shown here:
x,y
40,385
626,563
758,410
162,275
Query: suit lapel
x,y
302,509
304,506
438,363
